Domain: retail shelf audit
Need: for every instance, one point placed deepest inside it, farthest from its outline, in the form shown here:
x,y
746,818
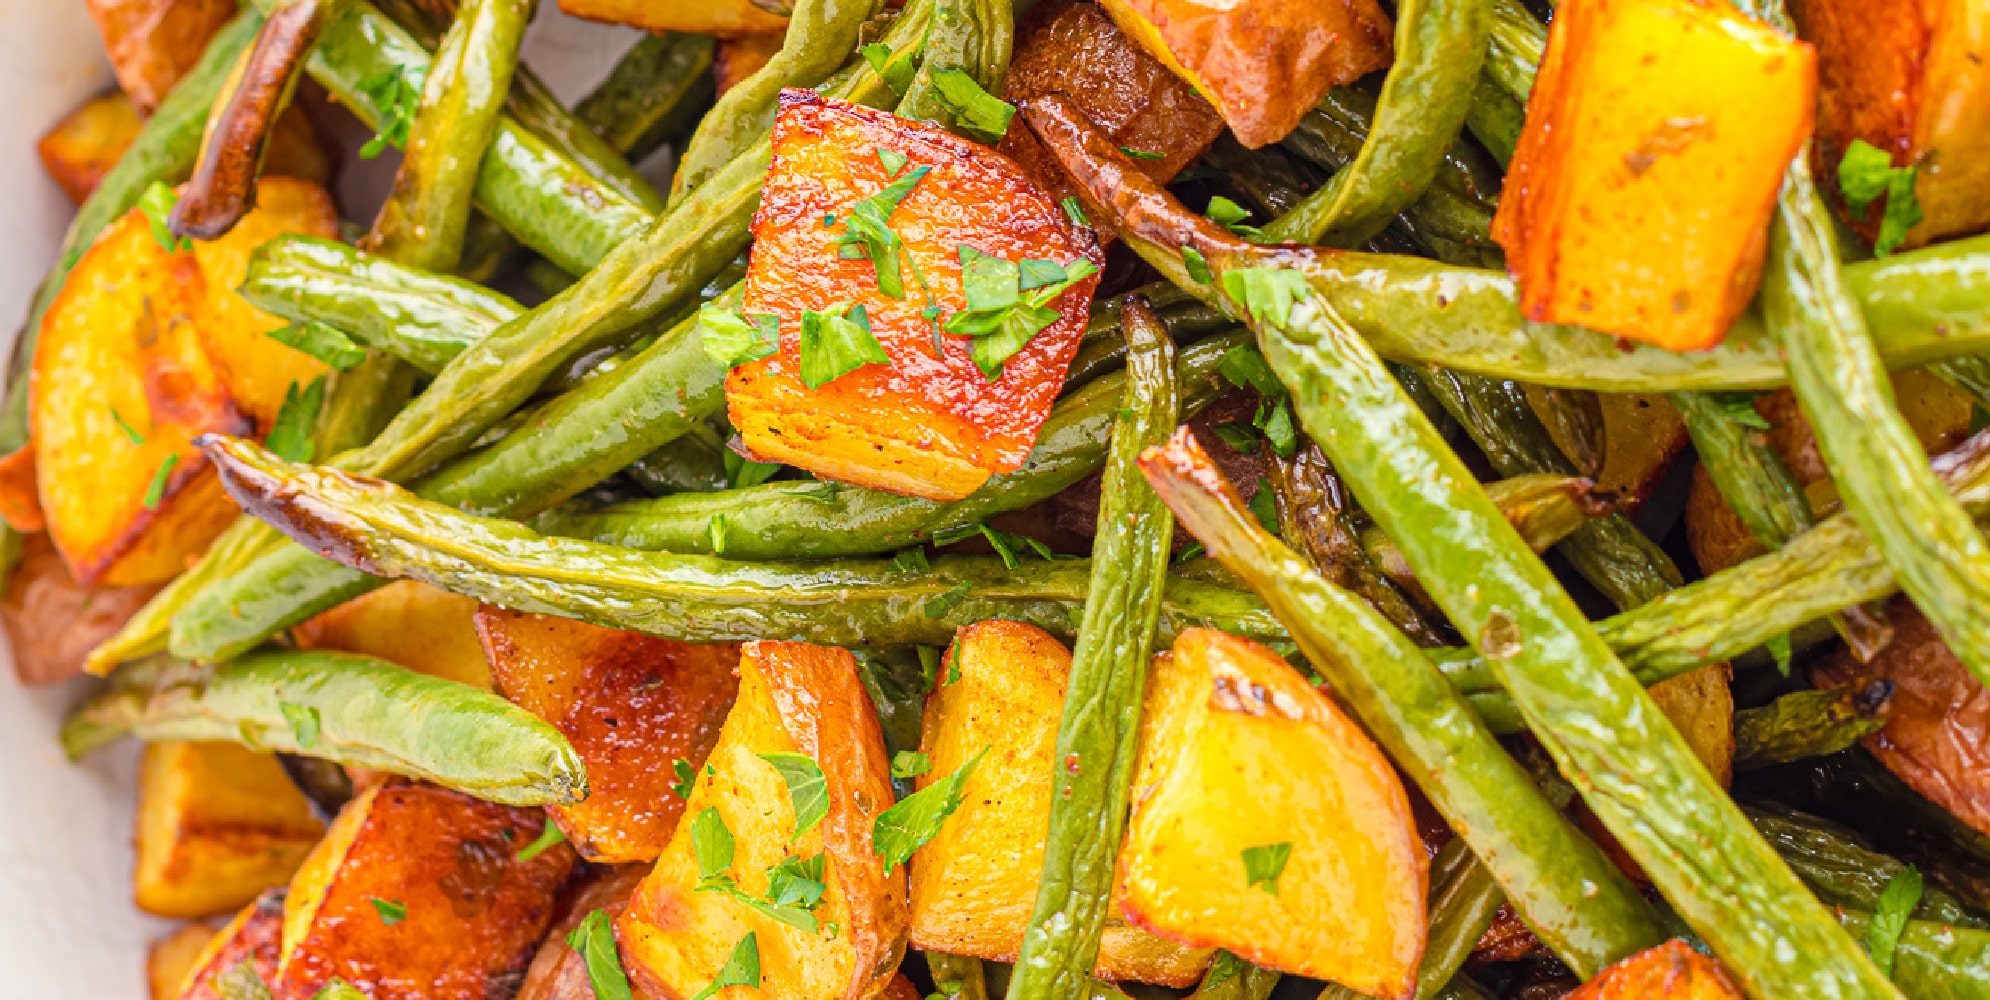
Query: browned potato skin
x,y
475,915
1073,48
1938,738
1671,971
631,705
254,936
152,43
217,825
20,493
793,697
172,958
53,622
423,628
723,18
735,59
974,885
559,972
86,143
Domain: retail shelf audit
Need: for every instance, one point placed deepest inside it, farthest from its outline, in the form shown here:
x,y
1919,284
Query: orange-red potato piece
x,y
473,914
1910,79
724,18
735,59
254,937
169,960
218,824
152,43
974,885
793,698
1262,63
924,426
87,143
1638,200
121,345
52,623
632,706
559,972
1671,971
20,492
1240,754
423,628
1072,48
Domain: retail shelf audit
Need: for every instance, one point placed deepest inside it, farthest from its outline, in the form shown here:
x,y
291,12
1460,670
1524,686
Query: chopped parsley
x,y
715,530
1779,650
303,721
837,342
391,912
687,776
733,338
892,160
1241,437
741,969
1896,904
1008,303
742,472
712,846
594,941
806,788
1740,408
1142,154
868,232
155,494
1264,864
1223,967
916,818
1197,265
1074,211
157,206
1865,174
896,72
912,560
130,432
1231,216
939,605
290,436
981,115
1265,508
910,764
323,342
797,882
549,835
395,99
1266,293
1245,368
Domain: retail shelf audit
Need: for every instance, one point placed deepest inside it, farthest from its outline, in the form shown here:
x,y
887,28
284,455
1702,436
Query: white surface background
x,y
68,930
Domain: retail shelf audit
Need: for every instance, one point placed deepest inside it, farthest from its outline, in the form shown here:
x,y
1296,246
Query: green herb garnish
x,y
836,343
396,98
155,494
910,764
325,343
1865,174
303,721
938,605
732,338
1896,904
742,969
916,818
981,115
1264,864
594,941
806,788
157,206
549,835
290,436
391,912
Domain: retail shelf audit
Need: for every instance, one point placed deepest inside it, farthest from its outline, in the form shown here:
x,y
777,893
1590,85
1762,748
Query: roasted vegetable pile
x,y
958,498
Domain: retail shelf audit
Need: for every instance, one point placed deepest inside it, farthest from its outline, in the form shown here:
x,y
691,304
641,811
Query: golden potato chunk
x,y
725,18
633,706
87,143
423,628
807,703
1671,971
1267,823
171,959
974,885
152,43
1638,199
217,825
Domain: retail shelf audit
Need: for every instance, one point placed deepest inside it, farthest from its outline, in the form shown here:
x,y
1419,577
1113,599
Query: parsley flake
x,y
1142,154
1865,174
869,233
741,969
130,432
807,790
549,835
1241,437
687,776
1266,293
897,72
916,818
1264,864
157,206
1231,216
1889,920
981,115
338,989
290,436
797,882
892,160
1224,966
241,982
1266,508
594,941
155,494
1074,211
1740,408
910,764
1779,650
303,721
391,912
1008,303
395,99
1197,265
715,530
325,343
836,343
912,560
733,338
742,472
938,605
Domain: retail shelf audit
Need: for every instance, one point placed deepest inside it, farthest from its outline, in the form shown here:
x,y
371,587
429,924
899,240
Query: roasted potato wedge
x,y
121,387
1909,79
1701,706
1266,822
725,18
20,493
217,825
735,59
171,958
87,143
152,43
1938,738
921,425
1638,200
973,886
425,629
418,890
1671,971
1262,63
1072,48
631,705
52,623
559,972
254,938
794,698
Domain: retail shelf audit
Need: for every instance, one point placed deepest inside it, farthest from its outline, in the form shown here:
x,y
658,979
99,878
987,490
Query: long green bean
x,y
655,92
1844,872
1809,724
974,37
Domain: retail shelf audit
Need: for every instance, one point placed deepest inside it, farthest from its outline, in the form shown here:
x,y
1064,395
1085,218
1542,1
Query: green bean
x,y
1572,894
694,463
1252,982
1098,732
1934,961
1544,508
1495,119
1636,773
1747,472
1844,872
821,34
1516,43
1968,374
974,37
1463,901
1809,724
790,520
957,969
422,223
1439,47
1272,181
354,710
655,92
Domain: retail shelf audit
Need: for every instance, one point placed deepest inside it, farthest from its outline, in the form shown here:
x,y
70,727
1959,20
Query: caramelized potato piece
x,y
1073,48
418,890
87,143
172,958
217,825
974,885
122,385
1701,705
1908,78
559,972
724,18
1671,971
1262,63
920,425
735,59
631,705
20,493
1266,822
253,937
152,43
794,698
1638,200
52,623
425,629
1938,738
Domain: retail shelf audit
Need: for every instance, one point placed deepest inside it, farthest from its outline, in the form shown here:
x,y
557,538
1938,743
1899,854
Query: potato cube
x,y
418,890
152,43
1671,971
794,699
633,706
254,937
82,147
217,825
171,959
1909,79
924,425
1638,201
1265,821
52,623
423,628
974,885
726,18
1262,63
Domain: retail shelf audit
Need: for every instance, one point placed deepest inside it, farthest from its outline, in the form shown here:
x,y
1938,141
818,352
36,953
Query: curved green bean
x,y
1809,724
656,91
974,37
1099,730
1846,873
350,709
